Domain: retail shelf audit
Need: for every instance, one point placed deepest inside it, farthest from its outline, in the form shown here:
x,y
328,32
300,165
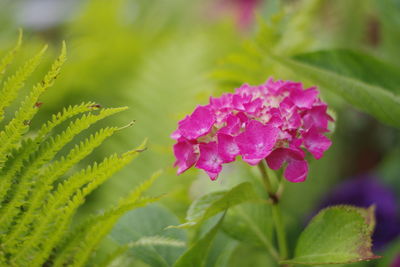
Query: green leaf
x,y
337,235
221,250
196,255
356,65
251,223
136,228
363,81
211,204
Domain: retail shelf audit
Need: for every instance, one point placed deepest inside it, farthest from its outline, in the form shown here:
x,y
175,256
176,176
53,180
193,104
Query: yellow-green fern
x,y
36,207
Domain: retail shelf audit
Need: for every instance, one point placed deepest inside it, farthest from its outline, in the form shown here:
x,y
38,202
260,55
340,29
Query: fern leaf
x,y
9,57
43,156
49,176
17,127
83,240
91,238
16,161
35,217
14,164
64,115
46,234
15,82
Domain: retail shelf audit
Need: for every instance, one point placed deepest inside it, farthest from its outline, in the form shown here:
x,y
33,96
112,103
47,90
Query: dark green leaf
x,y
250,223
337,235
211,204
356,65
221,250
196,255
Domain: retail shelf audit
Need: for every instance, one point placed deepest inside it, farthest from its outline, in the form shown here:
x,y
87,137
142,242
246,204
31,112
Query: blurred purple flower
x,y
364,191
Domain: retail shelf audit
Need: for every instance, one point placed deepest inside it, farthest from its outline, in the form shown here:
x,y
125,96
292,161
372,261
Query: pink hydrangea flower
x,y
278,121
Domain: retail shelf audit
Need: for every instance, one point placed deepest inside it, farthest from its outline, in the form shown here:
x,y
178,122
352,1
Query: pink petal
x,y
275,118
197,124
317,117
296,171
287,107
316,143
257,141
227,147
209,159
185,155
243,117
213,175
176,134
232,126
297,168
275,87
245,89
253,106
294,121
238,101
222,102
296,143
304,98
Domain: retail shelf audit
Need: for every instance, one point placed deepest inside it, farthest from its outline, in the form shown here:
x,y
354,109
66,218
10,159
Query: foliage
x,y
143,232
39,194
196,254
211,204
339,234
366,82
154,56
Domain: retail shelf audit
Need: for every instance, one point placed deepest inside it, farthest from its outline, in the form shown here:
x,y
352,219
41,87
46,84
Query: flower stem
x,y
276,212
267,182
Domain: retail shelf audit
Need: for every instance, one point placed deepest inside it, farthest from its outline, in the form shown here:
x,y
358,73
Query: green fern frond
x,y
99,227
45,232
35,218
41,157
14,164
49,176
64,115
22,154
9,57
90,239
18,126
85,238
15,82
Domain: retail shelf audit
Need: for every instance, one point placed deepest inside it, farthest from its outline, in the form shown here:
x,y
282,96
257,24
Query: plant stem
x,y
276,213
266,181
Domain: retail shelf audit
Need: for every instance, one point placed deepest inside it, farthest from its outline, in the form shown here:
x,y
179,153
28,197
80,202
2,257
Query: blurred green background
x,y
161,58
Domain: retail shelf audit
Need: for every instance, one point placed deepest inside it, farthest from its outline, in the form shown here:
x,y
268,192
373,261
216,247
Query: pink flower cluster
x,y
275,121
